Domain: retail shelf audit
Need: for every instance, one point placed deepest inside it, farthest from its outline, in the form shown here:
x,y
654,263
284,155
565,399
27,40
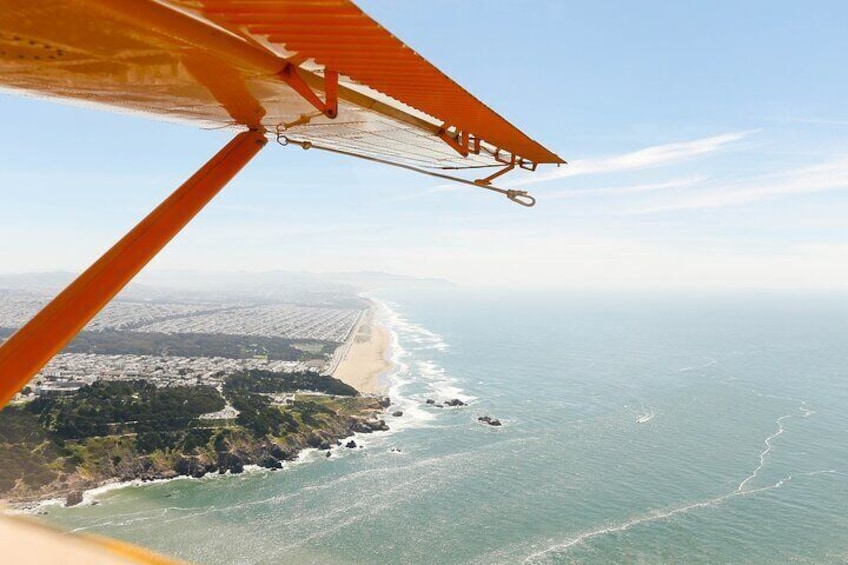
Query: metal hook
x,y
521,197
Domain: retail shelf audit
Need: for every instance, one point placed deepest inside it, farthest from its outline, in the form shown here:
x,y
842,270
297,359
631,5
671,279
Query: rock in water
x,y
430,401
489,420
351,444
74,498
455,402
397,413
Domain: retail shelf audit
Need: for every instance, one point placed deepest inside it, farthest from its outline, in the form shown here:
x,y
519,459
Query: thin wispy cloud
x,y
828,176
650,157
673,184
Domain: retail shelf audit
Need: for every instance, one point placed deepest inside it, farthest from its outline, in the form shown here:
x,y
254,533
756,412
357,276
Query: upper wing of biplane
x,y
319,72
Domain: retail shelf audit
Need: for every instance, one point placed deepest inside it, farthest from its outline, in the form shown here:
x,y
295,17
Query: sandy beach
x,y
364,356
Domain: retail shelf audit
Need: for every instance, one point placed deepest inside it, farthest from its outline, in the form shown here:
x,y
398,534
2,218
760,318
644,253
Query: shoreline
x,y
364,360
365,355
91,492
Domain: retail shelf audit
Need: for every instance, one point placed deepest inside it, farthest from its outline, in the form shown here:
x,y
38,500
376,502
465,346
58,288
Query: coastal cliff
x,y
123,431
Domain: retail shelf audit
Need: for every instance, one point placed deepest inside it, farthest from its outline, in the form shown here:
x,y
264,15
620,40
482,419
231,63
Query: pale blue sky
x,y
708,144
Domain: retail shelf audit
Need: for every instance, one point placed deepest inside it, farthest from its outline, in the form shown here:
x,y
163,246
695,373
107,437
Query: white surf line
x,y
780,429
764,454
653,517
662,515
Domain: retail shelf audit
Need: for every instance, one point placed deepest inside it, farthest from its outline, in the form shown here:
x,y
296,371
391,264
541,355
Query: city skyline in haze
x,y
707,148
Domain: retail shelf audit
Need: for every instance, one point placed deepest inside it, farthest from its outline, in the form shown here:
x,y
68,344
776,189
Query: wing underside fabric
x,y
392,103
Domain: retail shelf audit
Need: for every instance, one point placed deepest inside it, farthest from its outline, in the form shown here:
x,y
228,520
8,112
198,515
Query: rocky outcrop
x,y
228,449
280,453
73,498
489,420
397,413
369,426
189,468
270,462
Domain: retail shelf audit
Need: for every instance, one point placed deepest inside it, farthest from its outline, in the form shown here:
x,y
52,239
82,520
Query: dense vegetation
x,y
270,382
108,407
248,392
132,429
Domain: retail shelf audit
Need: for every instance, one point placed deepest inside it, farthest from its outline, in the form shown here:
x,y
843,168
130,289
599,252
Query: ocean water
x,y
637,429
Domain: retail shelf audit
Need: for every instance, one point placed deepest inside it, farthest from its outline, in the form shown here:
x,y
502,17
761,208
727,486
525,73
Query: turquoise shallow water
x,y
649,429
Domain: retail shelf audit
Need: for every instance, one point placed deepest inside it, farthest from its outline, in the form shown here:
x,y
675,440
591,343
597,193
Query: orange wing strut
x,y
32,346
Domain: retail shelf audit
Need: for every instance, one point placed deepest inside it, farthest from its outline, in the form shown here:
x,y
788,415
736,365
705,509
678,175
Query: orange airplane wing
x,y
321,71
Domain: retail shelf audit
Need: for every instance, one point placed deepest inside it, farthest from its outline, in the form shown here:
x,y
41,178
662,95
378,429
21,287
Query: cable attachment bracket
x,y
328,107
488,180
284,140
521,197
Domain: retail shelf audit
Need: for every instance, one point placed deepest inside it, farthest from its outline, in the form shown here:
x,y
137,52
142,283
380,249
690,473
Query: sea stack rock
x,y
455,402
73,498
489,420
351,444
